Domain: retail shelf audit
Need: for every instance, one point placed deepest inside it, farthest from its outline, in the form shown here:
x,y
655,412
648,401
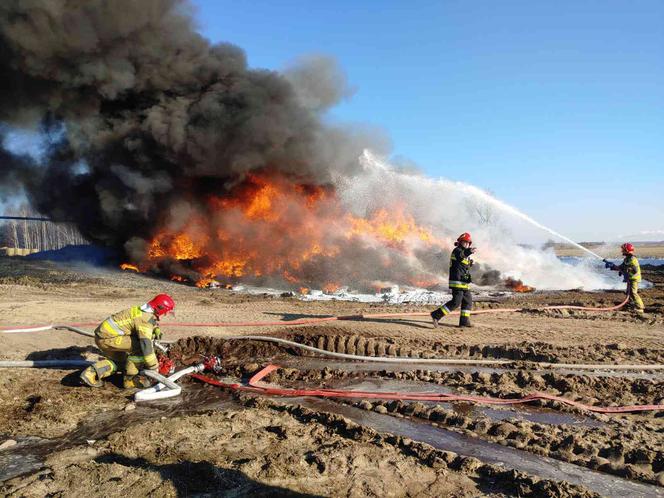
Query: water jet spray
x,y
372,162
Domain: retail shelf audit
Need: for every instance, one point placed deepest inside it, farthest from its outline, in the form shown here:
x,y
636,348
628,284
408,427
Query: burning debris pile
x,y
268,228
517,285
172,150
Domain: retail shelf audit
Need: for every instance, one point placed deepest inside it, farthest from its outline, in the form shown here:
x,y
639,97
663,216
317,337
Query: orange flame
x,y
207,282
331,288
517,285
269,225
392,228
128,266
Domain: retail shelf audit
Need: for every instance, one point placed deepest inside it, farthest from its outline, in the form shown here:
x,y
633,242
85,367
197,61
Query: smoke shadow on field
x,y
69,353
289,317
194,478
73,379
409,323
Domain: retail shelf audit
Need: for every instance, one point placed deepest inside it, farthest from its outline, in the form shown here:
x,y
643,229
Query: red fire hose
x,y
313,321
254,387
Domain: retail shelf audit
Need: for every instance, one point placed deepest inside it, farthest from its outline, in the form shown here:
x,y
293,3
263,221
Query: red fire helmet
x,y
162,304
627,247
465,237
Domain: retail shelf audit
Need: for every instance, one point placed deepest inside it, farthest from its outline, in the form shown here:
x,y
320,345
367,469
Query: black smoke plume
x,y
143,118
154,111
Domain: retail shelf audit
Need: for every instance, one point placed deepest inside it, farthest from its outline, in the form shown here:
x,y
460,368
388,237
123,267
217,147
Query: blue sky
x,y
556,107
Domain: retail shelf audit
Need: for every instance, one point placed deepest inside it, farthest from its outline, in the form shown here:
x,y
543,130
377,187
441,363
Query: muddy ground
x,y
59,438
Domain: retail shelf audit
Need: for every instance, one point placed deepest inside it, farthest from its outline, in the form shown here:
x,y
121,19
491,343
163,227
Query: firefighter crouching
x,y
460,264
630,270
126,342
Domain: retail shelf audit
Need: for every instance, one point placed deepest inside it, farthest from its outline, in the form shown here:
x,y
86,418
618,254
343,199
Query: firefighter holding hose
x,y
460,264
126,340
630,270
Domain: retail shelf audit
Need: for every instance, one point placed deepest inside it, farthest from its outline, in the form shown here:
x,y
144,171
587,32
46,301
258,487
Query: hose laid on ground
x,y
44,363
310,321
163,389
161,379
379,359
160,345
253,387
424,361
421,361
74,329
42,328
438,361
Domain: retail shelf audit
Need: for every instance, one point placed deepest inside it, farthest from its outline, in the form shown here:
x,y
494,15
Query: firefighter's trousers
x,y
634,299
460,297
124,354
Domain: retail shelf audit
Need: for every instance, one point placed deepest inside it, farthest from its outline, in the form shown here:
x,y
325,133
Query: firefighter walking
x,y
460,279
126,342
630,270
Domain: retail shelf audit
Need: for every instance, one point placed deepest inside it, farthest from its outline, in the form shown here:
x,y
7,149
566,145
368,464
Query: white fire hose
x,y
166,387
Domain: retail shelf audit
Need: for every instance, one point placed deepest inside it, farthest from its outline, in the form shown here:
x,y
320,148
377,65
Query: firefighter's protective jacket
x,y
133,322
631,269
460,264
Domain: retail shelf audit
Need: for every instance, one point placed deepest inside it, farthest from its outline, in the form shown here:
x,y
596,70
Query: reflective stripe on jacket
x,y
460,265
132,322
631,269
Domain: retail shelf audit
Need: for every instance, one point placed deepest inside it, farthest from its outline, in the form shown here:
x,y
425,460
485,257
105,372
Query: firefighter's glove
x,y
157,334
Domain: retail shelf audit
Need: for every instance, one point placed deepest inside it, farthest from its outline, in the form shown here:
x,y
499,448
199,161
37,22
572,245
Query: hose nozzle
x,y
212,363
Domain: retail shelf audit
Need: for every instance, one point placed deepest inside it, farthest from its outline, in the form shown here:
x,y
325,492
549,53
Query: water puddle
x,y
531,414
30,453
19,459
518,412
313,363
545,467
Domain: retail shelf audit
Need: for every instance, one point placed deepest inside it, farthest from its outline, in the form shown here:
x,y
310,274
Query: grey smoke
x,y
16,170
156,111
319,82
160,118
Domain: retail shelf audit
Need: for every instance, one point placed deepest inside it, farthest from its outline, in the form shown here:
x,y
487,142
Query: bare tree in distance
x,y
483,211
37,235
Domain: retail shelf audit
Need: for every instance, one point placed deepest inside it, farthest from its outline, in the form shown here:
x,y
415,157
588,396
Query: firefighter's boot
x,y
136,382
94,374
464,321
89,377
437,314
435,318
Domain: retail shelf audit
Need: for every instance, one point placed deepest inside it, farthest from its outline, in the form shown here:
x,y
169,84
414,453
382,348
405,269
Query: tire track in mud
x,y
624,446
611,449
523,351
512,482
426,443
613,353
508,481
